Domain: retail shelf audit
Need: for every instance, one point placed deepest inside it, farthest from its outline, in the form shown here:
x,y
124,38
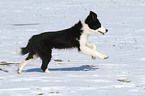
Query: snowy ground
x,y
123,74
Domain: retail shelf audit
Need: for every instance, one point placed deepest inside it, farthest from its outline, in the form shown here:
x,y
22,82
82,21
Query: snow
x,y
124,43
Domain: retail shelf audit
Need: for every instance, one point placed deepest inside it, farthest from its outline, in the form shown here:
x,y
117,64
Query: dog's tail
x,y
22,51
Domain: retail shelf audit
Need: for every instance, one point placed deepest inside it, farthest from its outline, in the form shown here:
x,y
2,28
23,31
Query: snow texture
x,y
74,74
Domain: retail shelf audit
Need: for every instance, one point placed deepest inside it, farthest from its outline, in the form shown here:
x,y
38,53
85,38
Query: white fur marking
x,y
92,46
83,43
24,63
102,29
88,51
47,71
19,51
87,29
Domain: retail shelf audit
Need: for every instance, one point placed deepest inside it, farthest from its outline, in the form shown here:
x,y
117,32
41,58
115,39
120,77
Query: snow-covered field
x,y
74,74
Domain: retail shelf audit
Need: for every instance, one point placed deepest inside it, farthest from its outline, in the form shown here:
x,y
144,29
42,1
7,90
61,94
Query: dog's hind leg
x,y
26,61
46,57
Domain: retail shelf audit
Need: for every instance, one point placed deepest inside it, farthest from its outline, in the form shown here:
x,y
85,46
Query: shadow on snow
x,y
81,68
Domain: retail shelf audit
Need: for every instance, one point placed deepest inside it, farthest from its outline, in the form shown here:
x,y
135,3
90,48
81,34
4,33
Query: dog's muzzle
x,y
102,30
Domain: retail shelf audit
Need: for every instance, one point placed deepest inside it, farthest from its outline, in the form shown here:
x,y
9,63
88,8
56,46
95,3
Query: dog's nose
x,y
106,30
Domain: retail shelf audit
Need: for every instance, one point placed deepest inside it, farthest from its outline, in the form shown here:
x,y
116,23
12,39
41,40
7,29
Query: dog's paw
x,y
94,58
19,71
47,71
106,57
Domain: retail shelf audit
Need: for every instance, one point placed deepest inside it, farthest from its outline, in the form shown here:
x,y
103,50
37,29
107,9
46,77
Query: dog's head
x,y
93,25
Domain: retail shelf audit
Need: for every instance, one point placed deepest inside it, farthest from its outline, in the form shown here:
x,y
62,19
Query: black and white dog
x,y
41,45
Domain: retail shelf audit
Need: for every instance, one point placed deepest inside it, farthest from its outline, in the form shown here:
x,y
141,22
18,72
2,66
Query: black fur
x,y
42,44
92,21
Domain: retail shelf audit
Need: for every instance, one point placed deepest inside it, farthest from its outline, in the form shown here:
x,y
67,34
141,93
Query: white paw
x,y
19,71
47,71
104,57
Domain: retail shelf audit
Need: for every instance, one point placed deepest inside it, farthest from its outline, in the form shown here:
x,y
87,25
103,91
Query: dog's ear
x,y
93,15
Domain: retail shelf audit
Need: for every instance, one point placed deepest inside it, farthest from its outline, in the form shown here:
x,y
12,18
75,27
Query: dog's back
x,y
61,39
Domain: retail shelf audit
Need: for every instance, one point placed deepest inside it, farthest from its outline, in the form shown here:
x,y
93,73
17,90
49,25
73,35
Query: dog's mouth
x,y
101,33
104,31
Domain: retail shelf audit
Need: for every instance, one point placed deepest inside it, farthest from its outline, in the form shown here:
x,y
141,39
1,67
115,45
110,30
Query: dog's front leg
x,y
88,51
92,46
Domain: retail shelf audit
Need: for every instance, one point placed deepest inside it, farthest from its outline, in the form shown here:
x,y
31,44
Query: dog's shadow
x,y
81,68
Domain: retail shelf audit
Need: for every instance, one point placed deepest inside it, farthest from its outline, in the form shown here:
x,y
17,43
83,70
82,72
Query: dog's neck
x,y
86,29
85,34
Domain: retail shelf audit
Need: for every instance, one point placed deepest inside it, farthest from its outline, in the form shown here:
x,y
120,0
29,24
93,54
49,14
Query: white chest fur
x,y
84,48
83,39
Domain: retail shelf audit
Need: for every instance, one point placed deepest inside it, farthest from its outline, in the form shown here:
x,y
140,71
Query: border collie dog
x,y
41,45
